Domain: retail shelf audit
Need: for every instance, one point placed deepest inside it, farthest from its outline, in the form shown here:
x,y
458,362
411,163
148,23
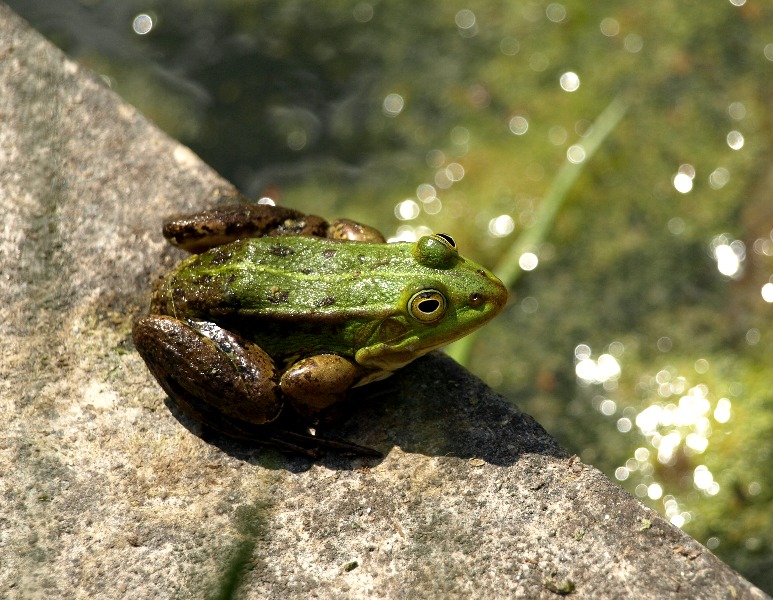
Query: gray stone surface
x,y
107,494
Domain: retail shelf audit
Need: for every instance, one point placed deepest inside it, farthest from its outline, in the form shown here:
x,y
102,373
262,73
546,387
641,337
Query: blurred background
x,y
611,160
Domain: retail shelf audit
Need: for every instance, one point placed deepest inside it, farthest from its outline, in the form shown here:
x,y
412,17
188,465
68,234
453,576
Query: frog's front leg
x,y
315,383
210,373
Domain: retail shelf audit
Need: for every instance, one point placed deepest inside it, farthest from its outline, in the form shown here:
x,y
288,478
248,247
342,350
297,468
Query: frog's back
x,y
288,279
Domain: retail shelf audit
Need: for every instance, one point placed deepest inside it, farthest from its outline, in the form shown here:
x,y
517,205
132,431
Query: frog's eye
x,y
447,239
427,306
436,251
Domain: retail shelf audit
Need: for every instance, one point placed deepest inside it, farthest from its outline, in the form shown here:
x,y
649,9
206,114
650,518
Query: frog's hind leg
x,y
208,371
201,231
224,382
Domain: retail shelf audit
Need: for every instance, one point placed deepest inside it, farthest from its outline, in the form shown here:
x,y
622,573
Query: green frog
x,y
280,313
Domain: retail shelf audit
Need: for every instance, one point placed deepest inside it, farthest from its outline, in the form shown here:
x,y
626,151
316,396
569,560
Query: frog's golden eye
x,y
427,306
447,239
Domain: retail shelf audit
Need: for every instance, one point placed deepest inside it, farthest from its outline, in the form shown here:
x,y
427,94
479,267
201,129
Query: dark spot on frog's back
x,y
203,280
326,301
281,251
277,296
228,300
220,256
329,253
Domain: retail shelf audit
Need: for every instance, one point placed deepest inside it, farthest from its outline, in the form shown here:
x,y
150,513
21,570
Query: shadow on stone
x,y
432,407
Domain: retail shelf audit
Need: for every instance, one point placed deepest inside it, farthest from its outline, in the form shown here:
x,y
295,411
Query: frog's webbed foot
x,y
285,439
298,442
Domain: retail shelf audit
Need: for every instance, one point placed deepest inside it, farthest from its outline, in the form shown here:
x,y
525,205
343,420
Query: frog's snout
x,y
495,292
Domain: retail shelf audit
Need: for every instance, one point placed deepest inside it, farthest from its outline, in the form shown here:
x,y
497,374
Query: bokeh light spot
x,y
654,491
722,411
728,254
735,140
676,225
509,46
363,12
296,139
435,158
466,22
633,43
575,154
557,136
555,12
682,183
529,305
465,18
702,477
528,261
407,210
608,407
460,135
425,192
737,110
609,27
719,178
518,125
582,351
501,226
569,81
455,172
393,105
142,24
538,62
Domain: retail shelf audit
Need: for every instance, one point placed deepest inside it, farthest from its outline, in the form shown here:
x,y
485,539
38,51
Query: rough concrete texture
x,y
107,494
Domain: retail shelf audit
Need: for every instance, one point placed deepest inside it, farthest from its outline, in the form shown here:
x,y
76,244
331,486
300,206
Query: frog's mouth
x,y
390,359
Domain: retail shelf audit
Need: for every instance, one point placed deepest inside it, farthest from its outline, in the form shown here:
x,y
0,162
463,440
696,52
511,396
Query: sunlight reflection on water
x,y
569,81
678,421
142,24
735,140
609,27
393,105
728,254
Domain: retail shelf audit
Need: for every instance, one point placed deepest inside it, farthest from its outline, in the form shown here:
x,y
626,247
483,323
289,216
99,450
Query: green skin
x,y
244,329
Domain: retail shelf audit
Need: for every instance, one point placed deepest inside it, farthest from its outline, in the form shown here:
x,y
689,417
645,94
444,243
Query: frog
x,y
277,317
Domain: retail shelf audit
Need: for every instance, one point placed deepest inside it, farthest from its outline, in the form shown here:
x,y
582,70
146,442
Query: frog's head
x,y
447,298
